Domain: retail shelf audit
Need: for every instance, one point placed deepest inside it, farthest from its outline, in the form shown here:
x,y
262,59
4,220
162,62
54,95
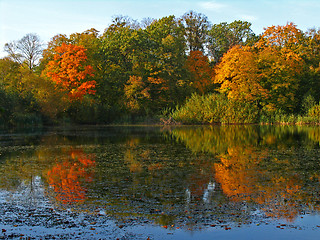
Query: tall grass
x,y
218,109
312,116
314,113
215,108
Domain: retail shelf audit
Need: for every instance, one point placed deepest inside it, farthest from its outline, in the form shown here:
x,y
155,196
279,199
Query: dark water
x,y
213,182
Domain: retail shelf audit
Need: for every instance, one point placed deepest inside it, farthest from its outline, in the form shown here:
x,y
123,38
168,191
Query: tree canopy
x,y
135,69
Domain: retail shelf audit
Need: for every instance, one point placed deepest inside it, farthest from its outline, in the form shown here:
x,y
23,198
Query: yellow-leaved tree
x,y
267,73
239,76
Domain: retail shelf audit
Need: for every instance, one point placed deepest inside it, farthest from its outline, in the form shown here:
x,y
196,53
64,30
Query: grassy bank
x,y
218,109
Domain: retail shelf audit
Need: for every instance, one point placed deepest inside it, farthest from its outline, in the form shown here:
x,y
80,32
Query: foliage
x,y
69,71
18,104
314,113
224,36
307,103
239,76
136,93
201,73
136,70
7,102
215,108
158,78
281,77
118,43
282,37
268,72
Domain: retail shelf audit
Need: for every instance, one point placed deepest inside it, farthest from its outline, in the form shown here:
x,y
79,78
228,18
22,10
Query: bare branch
x,y
28,50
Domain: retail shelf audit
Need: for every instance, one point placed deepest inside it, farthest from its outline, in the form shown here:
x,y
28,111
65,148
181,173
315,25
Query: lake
x,y
143,182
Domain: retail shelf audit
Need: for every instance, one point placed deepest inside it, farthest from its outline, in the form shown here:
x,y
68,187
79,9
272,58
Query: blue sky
x,y
48,18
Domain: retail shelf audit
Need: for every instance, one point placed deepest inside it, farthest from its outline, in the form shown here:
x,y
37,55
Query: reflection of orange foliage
x,y
133,142
155,166
241,179
66,177
201,178
199,184
130,156
280,198
234,173
82,157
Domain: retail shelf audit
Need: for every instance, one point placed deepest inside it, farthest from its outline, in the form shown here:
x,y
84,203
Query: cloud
x,y
248,18
212,5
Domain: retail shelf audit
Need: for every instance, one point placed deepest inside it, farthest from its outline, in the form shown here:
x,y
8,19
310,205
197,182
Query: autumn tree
x,y
27,50
9,73
201,73
223,36
310,81
136,93
281,50
9,78
282,37
268,77
49,52
268,73
280,75
87,110
69,71
312,50
166,72
118,44
239,76
20,87
90,40
158,65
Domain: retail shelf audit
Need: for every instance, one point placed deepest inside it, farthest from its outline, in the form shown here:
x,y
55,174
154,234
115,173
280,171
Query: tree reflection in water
x,y
187,176
67,177
268,169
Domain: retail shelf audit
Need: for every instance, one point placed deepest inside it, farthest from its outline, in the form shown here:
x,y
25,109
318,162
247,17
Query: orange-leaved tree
x,y
239,76
69,71
267,74
201,73
287,36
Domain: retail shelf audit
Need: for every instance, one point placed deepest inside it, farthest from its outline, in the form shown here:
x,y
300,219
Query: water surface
x,y
212,182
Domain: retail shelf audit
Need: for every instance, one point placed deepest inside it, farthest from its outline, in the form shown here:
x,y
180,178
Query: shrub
x,y
307,103
25,119
314,113
215,108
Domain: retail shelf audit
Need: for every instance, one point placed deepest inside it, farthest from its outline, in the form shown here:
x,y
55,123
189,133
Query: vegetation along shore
x,y
177,69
